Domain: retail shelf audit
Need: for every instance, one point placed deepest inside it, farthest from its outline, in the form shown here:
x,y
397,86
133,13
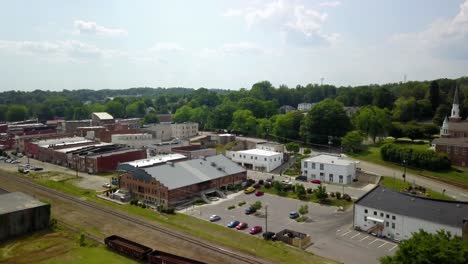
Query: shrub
x,y
231,207
267,185
168,210
241,203
332,195
424,159
257,205
292,147
347,197
301,219
134,201
309,190
304,209
338,195
307,151
143,206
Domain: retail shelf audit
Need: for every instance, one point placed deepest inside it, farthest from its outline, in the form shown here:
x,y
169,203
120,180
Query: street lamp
x,y
404,170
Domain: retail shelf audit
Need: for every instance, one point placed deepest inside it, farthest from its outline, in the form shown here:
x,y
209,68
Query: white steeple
x,y
444,129
455,114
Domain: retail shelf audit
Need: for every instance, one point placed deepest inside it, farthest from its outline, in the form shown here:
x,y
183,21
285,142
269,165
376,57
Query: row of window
x,y
381,214
312,165
455,150
256,158
387,224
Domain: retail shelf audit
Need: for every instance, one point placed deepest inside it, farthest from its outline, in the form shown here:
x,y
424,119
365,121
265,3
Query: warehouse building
x,y
184,130
21,214
271,146
180,182
150,162
194,151
397,215
329,168
257,159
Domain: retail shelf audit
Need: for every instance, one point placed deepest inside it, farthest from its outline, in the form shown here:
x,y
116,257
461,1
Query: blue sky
x,y
55,45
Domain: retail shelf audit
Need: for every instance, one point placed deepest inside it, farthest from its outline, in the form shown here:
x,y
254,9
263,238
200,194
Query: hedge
x,y
424,159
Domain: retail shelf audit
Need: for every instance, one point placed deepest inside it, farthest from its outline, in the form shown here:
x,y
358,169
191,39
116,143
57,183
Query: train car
x,y
127,247
158,257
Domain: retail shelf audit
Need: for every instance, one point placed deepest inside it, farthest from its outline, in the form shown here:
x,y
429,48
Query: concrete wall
x,y
25,221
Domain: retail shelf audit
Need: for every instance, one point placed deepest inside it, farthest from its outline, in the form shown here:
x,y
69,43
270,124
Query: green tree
x,y
262,90
434,95
257,205
16,113
304,209
222,115
243,121
200,115
3,112
405,109
43,112
327,118
287,126
292,147
151,118
183,114
352,141
115,108
441,112
264,127
321,193
372,121
427,248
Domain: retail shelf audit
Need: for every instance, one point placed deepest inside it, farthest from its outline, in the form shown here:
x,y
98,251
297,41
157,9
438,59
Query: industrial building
x,y
150,162
133,140
21,214
194,151
257,159
174,183
184,130
397,215
102,119
271,146
329,168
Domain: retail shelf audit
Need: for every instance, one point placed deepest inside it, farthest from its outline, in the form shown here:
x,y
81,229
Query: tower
x,y
455,114
444,130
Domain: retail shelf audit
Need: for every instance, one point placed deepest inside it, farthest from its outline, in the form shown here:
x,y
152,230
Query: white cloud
x,y
58,49
330,4
239,48
287,16
167,46
92,28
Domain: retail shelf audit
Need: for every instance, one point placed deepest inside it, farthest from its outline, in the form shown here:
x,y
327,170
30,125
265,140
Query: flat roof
x,y
155,160
259,152
189,172
270,143
17,201
449,213
330,159
103,115
62,141
113,152
81,147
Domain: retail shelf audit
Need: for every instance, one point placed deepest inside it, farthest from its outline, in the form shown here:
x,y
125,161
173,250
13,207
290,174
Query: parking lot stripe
x,y
363,238
373,241
393,247
355,235
346,233
383,244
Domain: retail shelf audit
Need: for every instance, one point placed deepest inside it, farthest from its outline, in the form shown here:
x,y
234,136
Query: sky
x,y
56,45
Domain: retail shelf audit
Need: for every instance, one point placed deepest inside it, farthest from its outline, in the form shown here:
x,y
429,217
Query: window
x,y
365,218
375,213
321,166
313,176
313,165
255,158
305,172
393,225
388,216
265,159
381,214
455,150
448,149
233,155
393,217
305,164
330,177
251,157
365,211
341,178
386,224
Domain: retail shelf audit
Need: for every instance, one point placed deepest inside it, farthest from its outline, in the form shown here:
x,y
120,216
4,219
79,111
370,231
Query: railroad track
x,y
133,220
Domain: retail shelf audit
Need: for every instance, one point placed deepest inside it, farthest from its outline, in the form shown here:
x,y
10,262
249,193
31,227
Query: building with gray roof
x,y
397,215
176,182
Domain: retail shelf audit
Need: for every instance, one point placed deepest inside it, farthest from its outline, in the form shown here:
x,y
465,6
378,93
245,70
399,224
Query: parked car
x,y
106,185
259,193
269,236
261,182
270,180
8,160
249,190
256,186
255,230
233,224
242,226
250,210
316,181
215,218
15,161
301,178
293,215
38,168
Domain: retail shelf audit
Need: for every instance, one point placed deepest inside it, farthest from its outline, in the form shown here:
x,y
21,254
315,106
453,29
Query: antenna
x,y
321,81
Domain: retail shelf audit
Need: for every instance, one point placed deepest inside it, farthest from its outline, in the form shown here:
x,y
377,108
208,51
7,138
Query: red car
x,y
259,193
242,226
255,230
316,181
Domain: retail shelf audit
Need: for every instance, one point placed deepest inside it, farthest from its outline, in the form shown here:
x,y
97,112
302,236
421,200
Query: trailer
x,y
127,247
158,257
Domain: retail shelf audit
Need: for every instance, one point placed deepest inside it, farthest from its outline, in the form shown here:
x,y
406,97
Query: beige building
x,y
184,130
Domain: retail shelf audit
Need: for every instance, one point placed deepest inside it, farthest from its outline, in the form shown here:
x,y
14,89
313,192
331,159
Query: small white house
x,y
398,215
270,146
329,168
257,159
305,106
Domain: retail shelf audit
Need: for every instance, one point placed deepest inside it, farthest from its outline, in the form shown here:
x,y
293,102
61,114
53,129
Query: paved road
x,y
453,191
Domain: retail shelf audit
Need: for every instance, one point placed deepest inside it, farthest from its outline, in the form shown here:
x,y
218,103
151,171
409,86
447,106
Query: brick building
x,y
102,119
194,151
177,182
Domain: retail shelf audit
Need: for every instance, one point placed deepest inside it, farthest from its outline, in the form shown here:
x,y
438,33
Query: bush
x,y
309,190
134,201
307,151
231,207
332,195
292,147
424,159
257,205
338,195
267,185
347,197
143,206
168,210
241,203
301,219
304,209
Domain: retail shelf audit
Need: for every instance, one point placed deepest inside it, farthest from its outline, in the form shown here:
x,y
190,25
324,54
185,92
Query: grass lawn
x,y
399,185
273,251
457,175
58,246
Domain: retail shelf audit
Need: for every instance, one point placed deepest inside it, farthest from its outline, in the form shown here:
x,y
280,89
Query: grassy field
x,y
273,251
398,185
59,246
456,174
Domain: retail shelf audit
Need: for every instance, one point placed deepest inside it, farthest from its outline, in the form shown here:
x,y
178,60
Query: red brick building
x,y
174,183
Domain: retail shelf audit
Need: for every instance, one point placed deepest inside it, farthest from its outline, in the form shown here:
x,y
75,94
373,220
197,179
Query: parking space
x,y
368,241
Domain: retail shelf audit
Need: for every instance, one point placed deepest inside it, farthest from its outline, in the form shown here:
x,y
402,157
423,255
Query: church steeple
x,y
455,114
444,130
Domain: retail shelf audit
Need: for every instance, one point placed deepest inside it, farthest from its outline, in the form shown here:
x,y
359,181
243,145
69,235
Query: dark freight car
x,y
127,247
157,257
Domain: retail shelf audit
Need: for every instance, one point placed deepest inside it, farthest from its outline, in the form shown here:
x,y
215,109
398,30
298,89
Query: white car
x,y
214,218
106,185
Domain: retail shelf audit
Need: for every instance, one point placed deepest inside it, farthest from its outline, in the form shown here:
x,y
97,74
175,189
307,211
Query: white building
x,y
184,130
133,140
257,159
304,106
397,215
328,168
271,146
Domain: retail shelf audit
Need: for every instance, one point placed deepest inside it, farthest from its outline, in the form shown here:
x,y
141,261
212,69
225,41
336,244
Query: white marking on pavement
x,y
373,241
393,248
346,233
355,235
363,238
383,244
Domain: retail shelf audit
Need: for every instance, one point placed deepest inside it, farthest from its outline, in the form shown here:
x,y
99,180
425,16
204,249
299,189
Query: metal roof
x,y
185,173
462,142
449,213
103,115
330,159
154,160
259,152
17,201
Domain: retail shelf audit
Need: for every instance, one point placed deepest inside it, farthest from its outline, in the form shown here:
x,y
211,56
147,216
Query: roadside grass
x,y
273,251
399,185
457,175
58,246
